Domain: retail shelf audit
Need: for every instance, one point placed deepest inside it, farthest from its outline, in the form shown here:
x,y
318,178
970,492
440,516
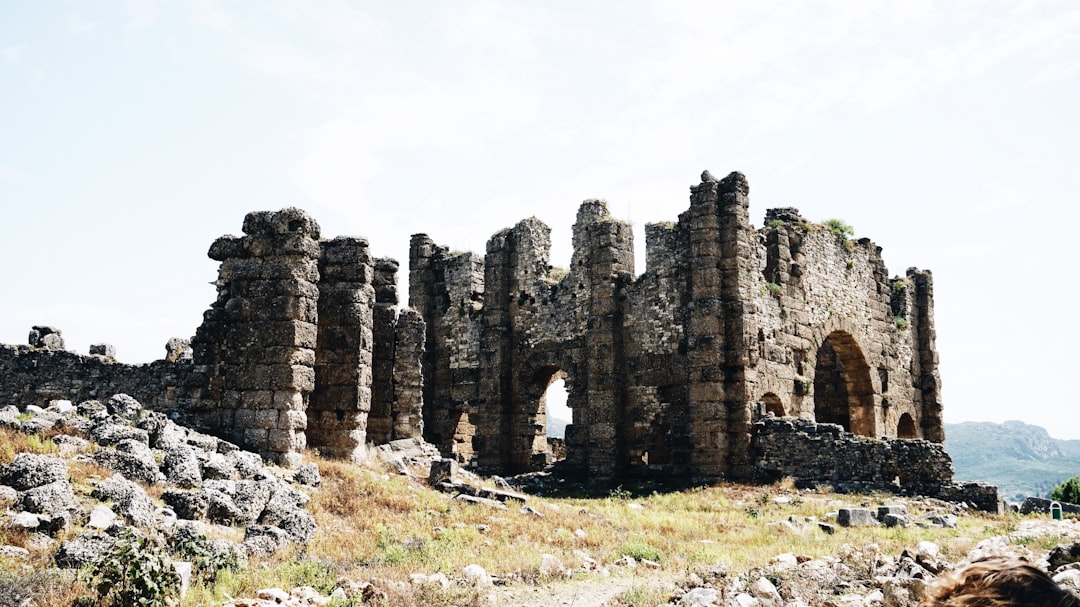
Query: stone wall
x,y
825,454
666,370
284,359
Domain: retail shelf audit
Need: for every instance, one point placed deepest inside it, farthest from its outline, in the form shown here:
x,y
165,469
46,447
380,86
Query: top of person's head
x,y
998,581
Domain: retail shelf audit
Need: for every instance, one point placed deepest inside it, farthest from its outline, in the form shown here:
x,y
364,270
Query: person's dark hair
x,y
998,581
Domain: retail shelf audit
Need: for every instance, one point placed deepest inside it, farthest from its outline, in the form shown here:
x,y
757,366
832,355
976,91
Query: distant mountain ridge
x,y
1021,459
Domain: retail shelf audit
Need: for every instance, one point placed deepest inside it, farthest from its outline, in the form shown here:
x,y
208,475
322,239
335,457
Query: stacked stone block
x,y
257,341
380,424
338,414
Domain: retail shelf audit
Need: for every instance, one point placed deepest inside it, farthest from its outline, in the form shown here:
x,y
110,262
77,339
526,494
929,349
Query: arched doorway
x,y
843,391
905,428
529,447
773,404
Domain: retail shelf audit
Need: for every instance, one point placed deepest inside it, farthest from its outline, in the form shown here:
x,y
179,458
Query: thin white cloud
x,y
142,13
13,54
486,24
77,25
209,14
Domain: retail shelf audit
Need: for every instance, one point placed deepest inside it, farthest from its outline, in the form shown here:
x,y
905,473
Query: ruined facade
x,y
667,371
284,359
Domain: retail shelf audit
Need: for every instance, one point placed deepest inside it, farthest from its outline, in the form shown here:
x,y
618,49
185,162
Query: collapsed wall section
x,y
813,454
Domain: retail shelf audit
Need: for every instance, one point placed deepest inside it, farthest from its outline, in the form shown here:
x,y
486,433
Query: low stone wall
x,y
820,454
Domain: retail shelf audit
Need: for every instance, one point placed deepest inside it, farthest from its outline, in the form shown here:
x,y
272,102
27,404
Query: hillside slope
x,y
1021,459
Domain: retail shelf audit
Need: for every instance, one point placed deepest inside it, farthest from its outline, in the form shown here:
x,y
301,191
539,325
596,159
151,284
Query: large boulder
x,y
84,550
122,405
181,467
51,499
190,505
131,500
30,470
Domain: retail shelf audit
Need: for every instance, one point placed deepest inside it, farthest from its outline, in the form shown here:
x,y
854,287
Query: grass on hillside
x,y
375,525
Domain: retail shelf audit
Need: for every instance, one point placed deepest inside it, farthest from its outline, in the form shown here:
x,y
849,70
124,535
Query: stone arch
x,y
843,385
773,404
906,428
528,442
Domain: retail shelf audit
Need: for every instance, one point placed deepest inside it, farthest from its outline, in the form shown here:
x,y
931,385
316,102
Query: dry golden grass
x,y
374,525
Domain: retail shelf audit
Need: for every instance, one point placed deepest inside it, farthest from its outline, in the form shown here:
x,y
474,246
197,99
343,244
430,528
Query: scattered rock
x,y
30,470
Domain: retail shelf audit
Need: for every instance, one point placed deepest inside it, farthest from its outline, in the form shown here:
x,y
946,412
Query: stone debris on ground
x,y
204,481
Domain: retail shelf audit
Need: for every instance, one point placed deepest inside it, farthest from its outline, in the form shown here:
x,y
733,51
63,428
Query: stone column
x,y
257,341
407,414
608,254
738,318
380,424
705,331
928,381
342,399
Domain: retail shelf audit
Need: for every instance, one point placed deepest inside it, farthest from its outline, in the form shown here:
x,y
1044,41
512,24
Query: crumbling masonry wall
x,y
283,358
667,371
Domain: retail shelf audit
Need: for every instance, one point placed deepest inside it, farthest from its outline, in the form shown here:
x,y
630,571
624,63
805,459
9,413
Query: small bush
x,y
640,550
774,289
134,574
900,322
842,230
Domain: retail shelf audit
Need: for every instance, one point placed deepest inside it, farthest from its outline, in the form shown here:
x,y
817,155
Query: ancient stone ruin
x,y
667,371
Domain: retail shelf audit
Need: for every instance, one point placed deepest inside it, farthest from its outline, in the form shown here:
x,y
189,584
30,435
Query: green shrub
x,y
842,230
900,322
134,573
1069,491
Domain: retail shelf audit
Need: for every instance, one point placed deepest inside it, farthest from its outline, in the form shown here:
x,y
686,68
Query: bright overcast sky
x,y
136,132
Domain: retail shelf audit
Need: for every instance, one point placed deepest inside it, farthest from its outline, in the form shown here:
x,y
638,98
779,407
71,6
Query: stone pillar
x,y
738,318
257,341
705,331
342,398
407,415
491,442
607,251
380,425
928,381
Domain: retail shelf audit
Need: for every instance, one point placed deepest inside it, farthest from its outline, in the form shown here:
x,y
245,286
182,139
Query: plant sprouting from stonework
x,y
775,223
900,285
774,289
842,230
900,322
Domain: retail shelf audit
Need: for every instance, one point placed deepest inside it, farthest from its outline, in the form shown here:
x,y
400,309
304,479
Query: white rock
x,y
101,517
476,575
550,566
25,520
783,562
14,552
635,506
62,406
183,569
646,563
580,534
33,410
745,600
700,597
435,579
1069,577
925,548
766,591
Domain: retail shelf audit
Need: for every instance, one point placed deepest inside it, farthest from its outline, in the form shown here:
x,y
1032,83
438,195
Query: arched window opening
x,y
906,427
558,412
773,405
843,391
